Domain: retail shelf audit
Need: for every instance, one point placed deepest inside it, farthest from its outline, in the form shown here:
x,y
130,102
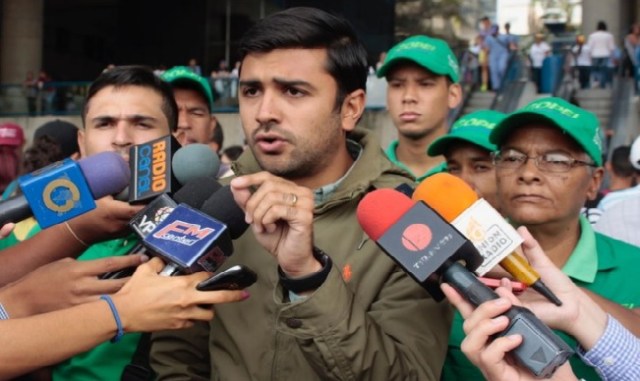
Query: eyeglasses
x,y
553,162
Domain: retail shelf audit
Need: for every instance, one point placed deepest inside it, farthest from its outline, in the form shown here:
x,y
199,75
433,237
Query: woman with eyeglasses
x,y
548,163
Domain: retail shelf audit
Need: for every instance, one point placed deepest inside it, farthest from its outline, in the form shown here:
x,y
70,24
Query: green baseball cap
x,y
183,74
580,124
432,54
474,128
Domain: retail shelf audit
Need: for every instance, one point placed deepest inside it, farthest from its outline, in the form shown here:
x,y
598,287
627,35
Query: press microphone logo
x,y
57,193
184,233
61,195
149,223
416,237
474,231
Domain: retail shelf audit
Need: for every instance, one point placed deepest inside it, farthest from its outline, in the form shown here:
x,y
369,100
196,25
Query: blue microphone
x,y
66,189
190,241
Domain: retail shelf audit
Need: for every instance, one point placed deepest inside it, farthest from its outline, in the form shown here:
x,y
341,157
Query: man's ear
x,y
594,183
213,124
455,95
81,139
352,109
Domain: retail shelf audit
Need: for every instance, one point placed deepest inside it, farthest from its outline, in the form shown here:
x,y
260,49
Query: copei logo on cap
x,y
475,122
549,105
417,45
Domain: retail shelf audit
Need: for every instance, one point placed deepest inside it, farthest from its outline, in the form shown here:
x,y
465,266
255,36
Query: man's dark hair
x,y
218,135
233,152
42,152
620,164
601,25
136,76
310,28
186,84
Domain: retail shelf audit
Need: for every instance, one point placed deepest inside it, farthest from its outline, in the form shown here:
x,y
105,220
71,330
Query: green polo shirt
x,y
391,154
599,264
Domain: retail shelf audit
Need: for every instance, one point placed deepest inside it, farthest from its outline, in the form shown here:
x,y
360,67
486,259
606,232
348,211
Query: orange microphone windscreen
x,y
446,194
380,209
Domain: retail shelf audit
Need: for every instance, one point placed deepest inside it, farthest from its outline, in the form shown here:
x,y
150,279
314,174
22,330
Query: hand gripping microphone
x,y
66,189
494,238
430,250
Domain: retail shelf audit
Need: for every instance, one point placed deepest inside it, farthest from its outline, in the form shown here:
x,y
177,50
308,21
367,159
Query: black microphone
x,y
66,189
185,164
430,250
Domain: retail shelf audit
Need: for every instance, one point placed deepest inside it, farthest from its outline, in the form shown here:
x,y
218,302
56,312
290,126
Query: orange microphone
x,y
456,202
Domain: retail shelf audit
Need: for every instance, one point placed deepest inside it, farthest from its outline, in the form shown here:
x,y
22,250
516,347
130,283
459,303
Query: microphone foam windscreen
x,y
193,161
380,209
106,173
446,194
223,207
195,192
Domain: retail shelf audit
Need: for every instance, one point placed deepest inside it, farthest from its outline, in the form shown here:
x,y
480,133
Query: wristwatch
x,y
311,281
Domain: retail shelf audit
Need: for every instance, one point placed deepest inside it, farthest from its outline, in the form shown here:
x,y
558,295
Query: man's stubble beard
x,y
306,159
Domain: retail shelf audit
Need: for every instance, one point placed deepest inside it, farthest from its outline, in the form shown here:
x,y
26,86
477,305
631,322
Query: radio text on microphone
x,y
152,168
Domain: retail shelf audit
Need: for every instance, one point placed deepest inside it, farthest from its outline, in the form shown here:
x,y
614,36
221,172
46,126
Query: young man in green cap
x,y
467,151
549,162
422,76
194,97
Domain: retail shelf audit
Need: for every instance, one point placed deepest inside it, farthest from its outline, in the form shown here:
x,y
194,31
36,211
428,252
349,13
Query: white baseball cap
x,y
634,155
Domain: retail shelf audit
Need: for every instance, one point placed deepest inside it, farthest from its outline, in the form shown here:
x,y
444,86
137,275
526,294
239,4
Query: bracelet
x,y
75,235
3,313
116,316
311,281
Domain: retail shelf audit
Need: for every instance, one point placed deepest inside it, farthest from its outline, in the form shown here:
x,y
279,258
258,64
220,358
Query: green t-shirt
x,y
107,360
391,154
599,264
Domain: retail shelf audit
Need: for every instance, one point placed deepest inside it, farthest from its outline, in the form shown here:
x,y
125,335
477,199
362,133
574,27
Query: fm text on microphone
x,y
194,193
190,240
66,189
494,238
430,250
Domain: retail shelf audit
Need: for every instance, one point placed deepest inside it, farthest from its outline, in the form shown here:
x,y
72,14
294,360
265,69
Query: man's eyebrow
x,y
280,82
292,83
250,83
136,118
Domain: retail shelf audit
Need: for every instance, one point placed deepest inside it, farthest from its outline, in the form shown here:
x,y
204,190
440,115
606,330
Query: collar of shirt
x,y
583,262
391,154
322,194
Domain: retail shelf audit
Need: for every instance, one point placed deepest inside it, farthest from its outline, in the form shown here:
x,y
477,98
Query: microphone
x,y
191,240
430,250
496,239
185,163
222,206
151,173
66,189
194,193
194,161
